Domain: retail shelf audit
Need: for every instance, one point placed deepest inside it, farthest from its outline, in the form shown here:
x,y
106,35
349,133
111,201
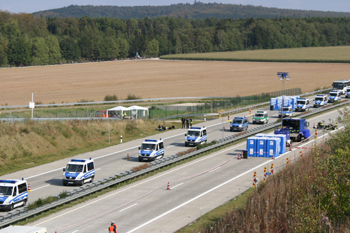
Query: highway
x,y
196,188
45,180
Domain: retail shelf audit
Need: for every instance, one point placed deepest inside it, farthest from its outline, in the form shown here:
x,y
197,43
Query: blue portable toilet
x,y
261,147
273,145
283,142
251,146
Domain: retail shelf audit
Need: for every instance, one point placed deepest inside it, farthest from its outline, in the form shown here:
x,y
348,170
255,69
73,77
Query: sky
x,y
30,6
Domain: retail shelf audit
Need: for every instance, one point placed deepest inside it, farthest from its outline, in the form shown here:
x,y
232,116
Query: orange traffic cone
x,y
168,187
239,157
29,187
127,156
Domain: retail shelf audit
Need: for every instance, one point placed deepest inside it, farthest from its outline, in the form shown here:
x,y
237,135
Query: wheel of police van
x,y
231,130
140,159
81,183
25,202
64,183
92,179
11,207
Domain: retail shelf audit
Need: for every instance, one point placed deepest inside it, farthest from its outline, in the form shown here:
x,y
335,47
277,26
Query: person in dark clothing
x,y
183,122
190,121
187,123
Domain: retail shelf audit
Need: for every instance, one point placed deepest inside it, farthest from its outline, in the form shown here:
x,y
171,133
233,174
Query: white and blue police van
x,y
239,124
334,96
13,193
320,100
151,149
303,104
286,112
196,136
347,92
78,172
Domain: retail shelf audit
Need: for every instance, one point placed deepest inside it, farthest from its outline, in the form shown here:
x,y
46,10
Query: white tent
x,y
135,108
117,109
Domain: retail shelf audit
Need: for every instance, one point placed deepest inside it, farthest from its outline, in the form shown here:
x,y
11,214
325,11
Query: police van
x,y
13,193
334,96
303,104
261,117
195,136
320,100
78,172
239,124
151,149
347,92
286,111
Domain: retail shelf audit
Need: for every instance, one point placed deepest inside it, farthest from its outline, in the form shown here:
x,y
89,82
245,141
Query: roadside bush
x,y
110,97
133,97
205,145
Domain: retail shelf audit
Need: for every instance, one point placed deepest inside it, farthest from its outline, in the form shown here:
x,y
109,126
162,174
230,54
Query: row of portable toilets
x,y
266,145
276,103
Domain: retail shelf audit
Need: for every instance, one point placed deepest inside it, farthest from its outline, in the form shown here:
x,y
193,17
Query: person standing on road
x,y
113,228
183,122
190,121
187,123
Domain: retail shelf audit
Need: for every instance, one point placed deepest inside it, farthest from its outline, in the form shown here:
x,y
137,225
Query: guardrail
x,y
22,214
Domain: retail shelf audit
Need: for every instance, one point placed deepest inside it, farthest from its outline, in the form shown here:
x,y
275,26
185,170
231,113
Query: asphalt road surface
x,y
196,188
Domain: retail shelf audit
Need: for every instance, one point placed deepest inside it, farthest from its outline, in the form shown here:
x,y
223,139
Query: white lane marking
x,y
44,173
40,187
97,169
177,185
214,169
128,207
169,147
75,231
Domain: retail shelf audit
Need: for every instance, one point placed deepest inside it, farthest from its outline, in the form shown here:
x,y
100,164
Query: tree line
x,y
198,10
27,40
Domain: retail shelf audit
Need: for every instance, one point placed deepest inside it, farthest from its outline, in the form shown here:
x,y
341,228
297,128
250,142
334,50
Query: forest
x,y
29,40
198,10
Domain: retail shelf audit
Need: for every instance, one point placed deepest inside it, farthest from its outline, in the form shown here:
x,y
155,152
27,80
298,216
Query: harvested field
x,y
159,78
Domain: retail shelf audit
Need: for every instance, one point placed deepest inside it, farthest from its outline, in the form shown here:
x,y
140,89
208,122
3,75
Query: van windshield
x,y
237,121
148,146
301,102
192,133
285,109
333,94
5,191
74,168
259,115
318,99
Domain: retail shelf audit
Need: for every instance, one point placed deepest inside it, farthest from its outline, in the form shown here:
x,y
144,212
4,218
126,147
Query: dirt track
x,y
159,78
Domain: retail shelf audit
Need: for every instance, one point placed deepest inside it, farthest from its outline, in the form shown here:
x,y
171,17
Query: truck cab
x,y
151,149
13,193
334,96
239,124
195,136
78,172
261,117
287,112
303,104
320,101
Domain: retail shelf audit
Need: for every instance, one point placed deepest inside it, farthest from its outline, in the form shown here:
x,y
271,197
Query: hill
x,y
194,11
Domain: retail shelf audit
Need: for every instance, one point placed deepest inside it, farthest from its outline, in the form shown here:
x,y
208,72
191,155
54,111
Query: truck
x,y
295,129
23,229
287,112
303,104
239,124
320,100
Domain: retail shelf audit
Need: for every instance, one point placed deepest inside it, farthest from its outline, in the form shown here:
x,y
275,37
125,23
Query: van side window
x,y
84,168
22,188
90,166
157,147
15,191
204,132
161,145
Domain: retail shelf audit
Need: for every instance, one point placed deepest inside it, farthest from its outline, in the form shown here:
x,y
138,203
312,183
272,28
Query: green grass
x,y
312,54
